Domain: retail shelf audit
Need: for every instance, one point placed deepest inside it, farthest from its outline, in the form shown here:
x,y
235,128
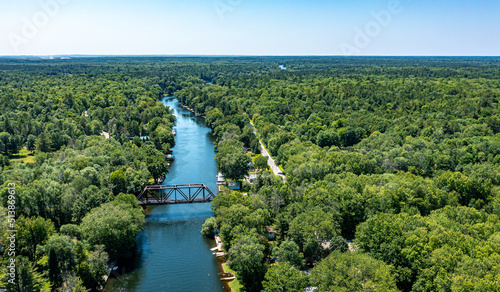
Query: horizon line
x,y
234,55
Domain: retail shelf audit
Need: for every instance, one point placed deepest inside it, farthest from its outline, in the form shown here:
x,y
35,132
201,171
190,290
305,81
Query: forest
x,y
392,167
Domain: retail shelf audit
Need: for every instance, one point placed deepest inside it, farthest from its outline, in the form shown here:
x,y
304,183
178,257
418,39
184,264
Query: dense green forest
x,y
74,198
392,167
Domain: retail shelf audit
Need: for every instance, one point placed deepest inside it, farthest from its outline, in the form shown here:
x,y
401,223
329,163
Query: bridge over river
x,y
175,194
171,254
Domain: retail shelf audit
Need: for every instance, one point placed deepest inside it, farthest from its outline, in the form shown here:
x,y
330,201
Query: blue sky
x,y
250,27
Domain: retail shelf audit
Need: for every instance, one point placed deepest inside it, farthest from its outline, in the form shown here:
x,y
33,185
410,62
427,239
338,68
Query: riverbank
x,y
234,285
110,267
192,110
228,276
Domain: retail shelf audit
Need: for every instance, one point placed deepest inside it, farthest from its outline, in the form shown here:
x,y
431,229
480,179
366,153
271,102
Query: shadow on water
x,y
171,254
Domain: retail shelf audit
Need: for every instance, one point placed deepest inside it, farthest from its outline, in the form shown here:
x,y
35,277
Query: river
x,y
171,254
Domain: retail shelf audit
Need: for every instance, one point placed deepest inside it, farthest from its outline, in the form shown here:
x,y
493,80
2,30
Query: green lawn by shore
x,y
235,285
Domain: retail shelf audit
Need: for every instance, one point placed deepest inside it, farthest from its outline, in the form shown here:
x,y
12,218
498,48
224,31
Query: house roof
x,y
270,229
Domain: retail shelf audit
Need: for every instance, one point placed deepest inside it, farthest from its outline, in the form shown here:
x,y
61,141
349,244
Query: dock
x,y
218,241
192,110
218,250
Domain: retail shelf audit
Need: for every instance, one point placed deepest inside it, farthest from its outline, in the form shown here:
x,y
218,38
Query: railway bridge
x,y
175,194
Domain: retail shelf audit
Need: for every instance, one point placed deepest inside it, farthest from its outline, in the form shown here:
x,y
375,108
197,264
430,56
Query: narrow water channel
x,y
172,255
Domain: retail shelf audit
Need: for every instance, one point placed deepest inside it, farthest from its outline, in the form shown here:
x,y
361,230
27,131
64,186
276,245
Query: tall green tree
x,y
114,225
209,228
62,259
232,161
28,278
245,257
284,277
32,232
289,252
352,272
43,143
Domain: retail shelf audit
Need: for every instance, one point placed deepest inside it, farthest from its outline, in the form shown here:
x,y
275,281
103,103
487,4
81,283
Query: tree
x,y
338,243
261,162
312,230
289,252
71,230
245,257
234,216
156,161
284,277
469,191
114,225
328,138
32,232
231,159
5,143
165,136
31,142
119,181
60,250
213,118
383,237
72,283
43,143
234,165
209,228
4,161
477,275
28,278
94,268
352,271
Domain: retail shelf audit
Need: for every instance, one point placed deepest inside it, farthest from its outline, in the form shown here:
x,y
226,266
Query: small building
x,y
143,138
234,185
271,233
252,178
220,179
251,165
105,134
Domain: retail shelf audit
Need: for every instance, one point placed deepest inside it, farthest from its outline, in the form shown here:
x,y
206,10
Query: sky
x,y
250,27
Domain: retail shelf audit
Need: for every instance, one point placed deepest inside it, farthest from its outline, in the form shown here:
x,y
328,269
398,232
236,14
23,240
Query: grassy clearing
x,y
23,156
235,285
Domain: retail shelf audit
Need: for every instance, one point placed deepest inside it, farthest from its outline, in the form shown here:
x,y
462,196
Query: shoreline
x,y
227,276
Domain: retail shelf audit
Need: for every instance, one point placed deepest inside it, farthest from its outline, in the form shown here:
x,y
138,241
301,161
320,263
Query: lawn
x,y
23,156
235,285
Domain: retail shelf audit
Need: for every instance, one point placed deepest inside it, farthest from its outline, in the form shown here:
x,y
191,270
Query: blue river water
x,y
172,255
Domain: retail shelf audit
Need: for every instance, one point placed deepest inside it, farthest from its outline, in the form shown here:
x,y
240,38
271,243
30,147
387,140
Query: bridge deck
x,y
172,202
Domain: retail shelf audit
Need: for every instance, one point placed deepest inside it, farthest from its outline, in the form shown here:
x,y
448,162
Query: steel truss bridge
x,y
175,194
